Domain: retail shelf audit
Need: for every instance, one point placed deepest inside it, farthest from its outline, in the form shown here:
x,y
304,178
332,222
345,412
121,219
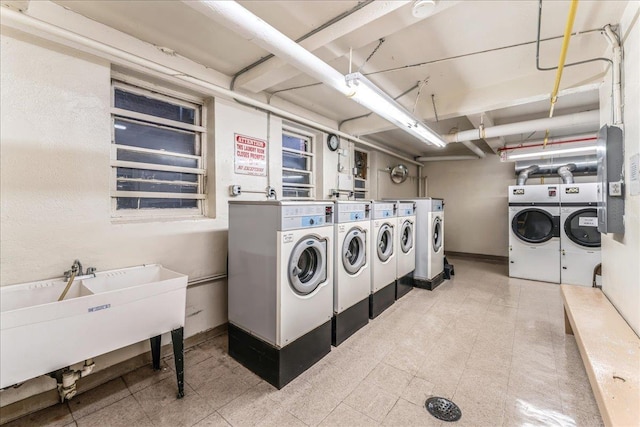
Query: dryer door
x,y
354,250
385,242
308,265
582,228
437,234
534,225
406,236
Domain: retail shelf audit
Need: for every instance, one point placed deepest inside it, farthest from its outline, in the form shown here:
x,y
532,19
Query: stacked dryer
x,y
429,253
534,235
352,272
405,244
280,286
383,257
580,238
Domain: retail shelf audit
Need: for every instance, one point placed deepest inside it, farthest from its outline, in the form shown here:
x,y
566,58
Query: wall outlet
x,y
235,190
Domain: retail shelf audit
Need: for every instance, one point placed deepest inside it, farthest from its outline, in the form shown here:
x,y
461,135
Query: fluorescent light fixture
x,y
547,153
373,98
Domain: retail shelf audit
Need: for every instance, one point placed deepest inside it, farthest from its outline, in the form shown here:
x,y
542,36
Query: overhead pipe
x,y
125,58
564,172
524,174
612,38
587,117
555,142
584,165
444,158
474,148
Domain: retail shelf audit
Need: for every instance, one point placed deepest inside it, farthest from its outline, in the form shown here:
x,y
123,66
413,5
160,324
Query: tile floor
x,y
495,345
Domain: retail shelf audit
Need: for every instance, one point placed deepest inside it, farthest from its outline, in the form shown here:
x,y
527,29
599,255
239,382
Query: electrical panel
x,y
610,180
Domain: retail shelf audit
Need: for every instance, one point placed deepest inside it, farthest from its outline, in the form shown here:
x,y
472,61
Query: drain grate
x,y
443,409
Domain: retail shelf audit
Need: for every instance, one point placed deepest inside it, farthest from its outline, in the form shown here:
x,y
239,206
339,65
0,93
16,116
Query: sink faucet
x,y
75,268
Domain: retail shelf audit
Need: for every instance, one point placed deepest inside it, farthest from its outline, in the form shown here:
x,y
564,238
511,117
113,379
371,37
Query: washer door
x,y
406,236
437,234
308,265
354,250
534,225
582,228
385,242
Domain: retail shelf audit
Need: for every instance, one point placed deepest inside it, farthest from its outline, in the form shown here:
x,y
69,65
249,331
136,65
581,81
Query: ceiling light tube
x,y
373,98
547,153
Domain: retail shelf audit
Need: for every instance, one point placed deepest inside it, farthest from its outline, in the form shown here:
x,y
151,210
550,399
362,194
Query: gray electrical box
x,y
610,180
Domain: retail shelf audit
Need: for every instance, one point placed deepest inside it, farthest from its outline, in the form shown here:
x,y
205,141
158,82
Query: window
x,y
297,165
361,166
156,154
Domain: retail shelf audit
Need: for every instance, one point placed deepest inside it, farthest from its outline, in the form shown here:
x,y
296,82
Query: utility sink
x,y
100,313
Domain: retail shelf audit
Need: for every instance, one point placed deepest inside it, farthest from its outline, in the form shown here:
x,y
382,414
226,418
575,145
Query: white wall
x,y
621,253
55,181
380,184
476,205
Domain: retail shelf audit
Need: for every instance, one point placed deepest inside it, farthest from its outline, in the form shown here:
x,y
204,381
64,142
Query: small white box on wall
x,y
345,182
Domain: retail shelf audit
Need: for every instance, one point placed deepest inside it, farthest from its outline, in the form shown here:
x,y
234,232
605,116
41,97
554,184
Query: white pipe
x,y
474,148
550,123
125,58
444,158
612,38
249,26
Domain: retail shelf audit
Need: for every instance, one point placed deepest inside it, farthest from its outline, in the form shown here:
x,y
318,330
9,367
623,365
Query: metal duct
x,y
585,165
565,173
524,174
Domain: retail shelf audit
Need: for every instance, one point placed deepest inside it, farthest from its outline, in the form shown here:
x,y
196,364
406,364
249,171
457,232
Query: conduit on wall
x,y
19,21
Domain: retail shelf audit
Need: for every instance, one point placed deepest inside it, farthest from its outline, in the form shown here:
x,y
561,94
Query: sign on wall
x,y
250,155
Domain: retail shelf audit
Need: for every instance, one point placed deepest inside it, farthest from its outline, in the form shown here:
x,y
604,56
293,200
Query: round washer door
x,y
533,225
308,265
582,228
437,234
354,250
385,242
406,236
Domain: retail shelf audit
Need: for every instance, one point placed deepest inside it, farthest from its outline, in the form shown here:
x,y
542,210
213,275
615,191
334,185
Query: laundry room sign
x,y
250,156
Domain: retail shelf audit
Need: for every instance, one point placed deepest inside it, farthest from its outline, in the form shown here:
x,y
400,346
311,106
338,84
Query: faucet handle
x,y
90,270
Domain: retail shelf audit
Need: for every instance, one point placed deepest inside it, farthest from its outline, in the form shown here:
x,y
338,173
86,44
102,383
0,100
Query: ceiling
x,y
472,57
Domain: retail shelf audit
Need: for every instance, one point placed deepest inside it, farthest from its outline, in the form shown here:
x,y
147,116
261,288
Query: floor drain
x,y
443,409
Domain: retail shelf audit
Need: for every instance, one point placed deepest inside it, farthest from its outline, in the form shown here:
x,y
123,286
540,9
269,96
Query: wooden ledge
x,y
610,352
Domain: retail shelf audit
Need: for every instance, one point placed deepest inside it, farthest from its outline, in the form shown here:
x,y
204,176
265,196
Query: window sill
x,y
150,219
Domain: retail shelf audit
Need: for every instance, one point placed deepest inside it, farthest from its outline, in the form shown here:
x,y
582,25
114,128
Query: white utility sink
x,y
101,313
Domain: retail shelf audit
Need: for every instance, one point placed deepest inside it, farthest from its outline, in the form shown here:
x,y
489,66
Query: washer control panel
x,y
383,210
406,208
306,216
350,212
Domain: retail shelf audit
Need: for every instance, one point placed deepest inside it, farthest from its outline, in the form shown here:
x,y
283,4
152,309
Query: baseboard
x,y
495,259
48,398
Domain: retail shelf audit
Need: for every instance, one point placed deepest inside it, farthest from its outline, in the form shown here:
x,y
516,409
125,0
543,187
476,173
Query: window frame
x,y
364,191
199,130
310,161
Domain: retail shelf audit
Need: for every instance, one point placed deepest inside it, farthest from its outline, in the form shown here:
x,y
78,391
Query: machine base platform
x,y
429,284
347,323
279,366
381,300
404,285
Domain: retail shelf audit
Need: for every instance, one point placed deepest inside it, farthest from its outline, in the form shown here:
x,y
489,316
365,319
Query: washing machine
x,y
429,243
383,257
534,232
280,278
579,235
405,247
352,273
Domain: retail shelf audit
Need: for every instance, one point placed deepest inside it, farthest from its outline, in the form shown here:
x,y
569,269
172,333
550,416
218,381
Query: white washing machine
x,y
429,243
280,278
579,235
383,256
534,232
405,244
352,272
